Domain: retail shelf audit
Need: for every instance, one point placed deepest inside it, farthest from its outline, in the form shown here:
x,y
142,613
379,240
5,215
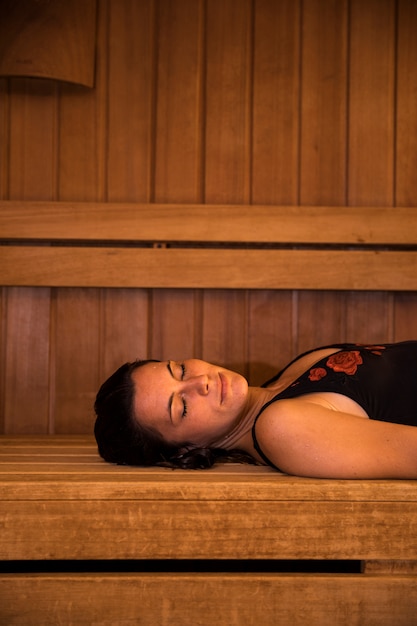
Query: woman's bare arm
x,y
304,438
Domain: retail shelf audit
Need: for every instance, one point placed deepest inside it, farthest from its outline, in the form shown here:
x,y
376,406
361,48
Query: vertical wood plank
x,y
405,315
33,134
228,101
3,296
323,159
130,97
276,102
173,324
76,359
178,157
369,317
275,167
124,328
179,101
406,135
225,329
371,143
26,379
321,319
4,191
75,345
83,128
227,161
324,103
371,102
32,176
124,313
270,334
4,138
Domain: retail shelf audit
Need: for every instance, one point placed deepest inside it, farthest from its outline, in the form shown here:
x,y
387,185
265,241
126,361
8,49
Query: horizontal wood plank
x,y
207,223
87,481
81,503
249,599
203,268
169,529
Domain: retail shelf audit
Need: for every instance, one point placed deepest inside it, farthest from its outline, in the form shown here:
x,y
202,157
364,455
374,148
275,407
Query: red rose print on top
x,y
317,373
345,361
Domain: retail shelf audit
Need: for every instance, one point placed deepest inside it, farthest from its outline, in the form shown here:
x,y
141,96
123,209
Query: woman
x,y
341,411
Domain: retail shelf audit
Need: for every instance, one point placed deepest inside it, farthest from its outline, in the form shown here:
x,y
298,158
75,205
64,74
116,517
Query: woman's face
x,y
189,401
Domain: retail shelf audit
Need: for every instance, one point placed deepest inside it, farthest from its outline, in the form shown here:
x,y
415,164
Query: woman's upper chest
x,y
298,367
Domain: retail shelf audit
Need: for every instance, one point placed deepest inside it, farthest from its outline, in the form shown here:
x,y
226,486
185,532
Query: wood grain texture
x,y
58,500
324,103
228,110
276,102
406,104
54,40
89,509
130,100
249,599
202,268
200,223
371,102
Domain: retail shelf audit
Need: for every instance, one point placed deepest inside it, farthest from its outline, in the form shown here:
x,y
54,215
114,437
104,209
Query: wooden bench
x,y
207,246
86,542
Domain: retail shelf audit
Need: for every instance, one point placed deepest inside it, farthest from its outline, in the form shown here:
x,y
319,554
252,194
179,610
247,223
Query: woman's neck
x,y
257,397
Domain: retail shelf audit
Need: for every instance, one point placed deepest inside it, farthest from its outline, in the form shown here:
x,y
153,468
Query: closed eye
x,y
184,412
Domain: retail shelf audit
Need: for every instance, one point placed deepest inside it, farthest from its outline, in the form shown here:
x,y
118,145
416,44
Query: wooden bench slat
x,y
250,599
86,481
203,268
207,223
229,529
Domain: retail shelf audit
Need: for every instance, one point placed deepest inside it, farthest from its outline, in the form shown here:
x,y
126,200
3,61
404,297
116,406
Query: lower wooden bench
x,y
86,542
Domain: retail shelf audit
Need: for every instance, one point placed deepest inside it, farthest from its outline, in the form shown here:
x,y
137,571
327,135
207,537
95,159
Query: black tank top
x,y
382,379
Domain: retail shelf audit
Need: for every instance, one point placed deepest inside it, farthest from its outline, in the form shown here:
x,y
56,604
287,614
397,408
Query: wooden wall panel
x,y
275,167
124,328
75,342
172,326
406,105
179,92
27,384
276,102
229,45
323,144
371,142
220,101
405,317
76,359
130,100
228,101
324,103
272,340
179,155
371,102
26,326
124,314
4,138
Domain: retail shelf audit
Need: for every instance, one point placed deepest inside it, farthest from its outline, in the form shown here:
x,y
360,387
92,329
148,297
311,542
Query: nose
x,y
199,384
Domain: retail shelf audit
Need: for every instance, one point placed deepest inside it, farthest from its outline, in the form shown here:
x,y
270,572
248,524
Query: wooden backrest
x,y
208,246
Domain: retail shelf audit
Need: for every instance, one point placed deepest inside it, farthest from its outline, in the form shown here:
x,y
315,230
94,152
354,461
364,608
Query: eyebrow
x,y
171,398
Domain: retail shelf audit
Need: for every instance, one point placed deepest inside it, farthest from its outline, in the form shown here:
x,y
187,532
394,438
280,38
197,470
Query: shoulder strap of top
x,y
258,448
255,441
